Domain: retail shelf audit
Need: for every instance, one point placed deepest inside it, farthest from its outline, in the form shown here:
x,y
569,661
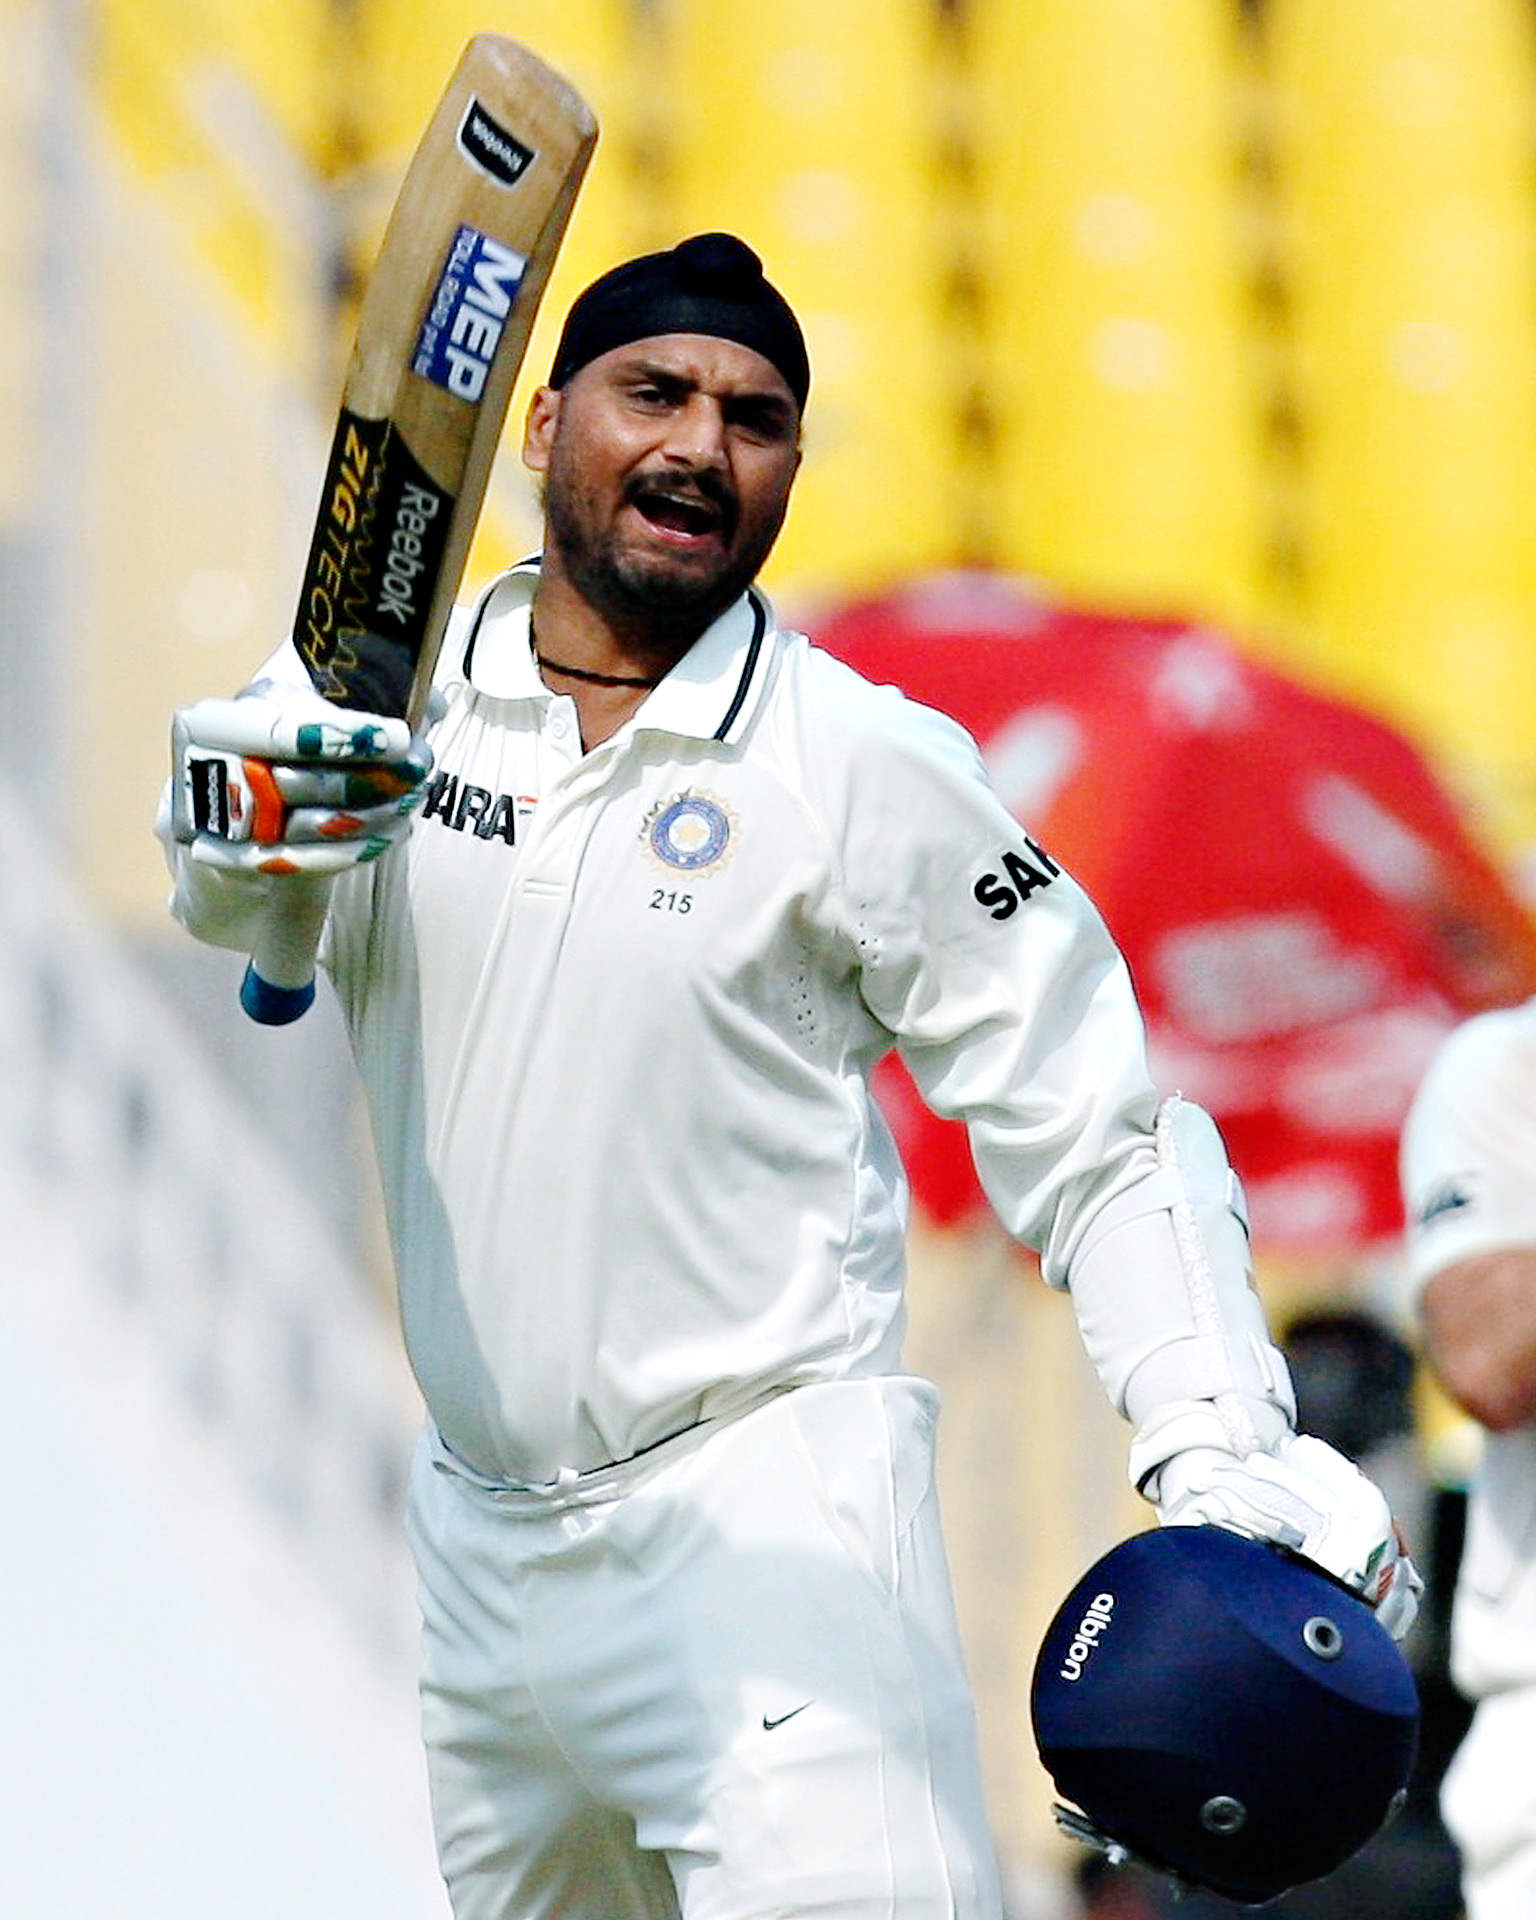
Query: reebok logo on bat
x,y
1098,1619
491,147
406,558
467,312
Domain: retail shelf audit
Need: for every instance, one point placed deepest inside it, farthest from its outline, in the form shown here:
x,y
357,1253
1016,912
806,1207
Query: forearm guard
x,y
1162,1288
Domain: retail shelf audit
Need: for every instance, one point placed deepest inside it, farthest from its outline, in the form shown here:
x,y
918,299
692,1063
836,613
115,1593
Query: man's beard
x,y
632,587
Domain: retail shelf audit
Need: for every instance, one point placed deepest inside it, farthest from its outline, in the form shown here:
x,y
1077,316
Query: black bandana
x,y
712,284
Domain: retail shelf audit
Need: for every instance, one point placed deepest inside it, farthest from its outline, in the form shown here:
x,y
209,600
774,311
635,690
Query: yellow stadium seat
x,y
807,129
1127,365
1403,133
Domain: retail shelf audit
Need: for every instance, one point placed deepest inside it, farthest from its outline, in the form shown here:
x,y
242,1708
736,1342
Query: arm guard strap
x,y
1163,1293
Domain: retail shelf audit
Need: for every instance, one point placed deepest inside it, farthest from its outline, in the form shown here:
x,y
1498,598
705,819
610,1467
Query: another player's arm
x,y
1471,1225
1478,1317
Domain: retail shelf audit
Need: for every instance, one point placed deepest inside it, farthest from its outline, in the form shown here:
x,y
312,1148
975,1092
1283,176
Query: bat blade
x,y
441,336
443,328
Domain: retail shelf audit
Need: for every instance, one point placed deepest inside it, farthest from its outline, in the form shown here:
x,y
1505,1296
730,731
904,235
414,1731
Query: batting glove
x,y
280,780
1306,1497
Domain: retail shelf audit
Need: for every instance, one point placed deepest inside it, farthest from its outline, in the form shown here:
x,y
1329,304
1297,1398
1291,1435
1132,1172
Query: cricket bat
x,y
441,335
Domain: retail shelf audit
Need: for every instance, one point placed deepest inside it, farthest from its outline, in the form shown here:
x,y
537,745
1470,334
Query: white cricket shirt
x,y
616,1014
1469,1183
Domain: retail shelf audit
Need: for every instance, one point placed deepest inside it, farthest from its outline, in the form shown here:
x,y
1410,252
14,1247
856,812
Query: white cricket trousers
x,y
723,1681
1488,1799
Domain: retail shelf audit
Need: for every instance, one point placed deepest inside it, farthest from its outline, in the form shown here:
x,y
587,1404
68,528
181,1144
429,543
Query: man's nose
x,y
697,434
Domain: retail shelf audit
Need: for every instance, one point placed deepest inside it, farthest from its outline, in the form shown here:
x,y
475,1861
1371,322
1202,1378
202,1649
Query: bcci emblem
x,y
690,833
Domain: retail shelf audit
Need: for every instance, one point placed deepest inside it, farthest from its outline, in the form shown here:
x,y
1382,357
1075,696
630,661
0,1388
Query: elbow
x,y
1483,1386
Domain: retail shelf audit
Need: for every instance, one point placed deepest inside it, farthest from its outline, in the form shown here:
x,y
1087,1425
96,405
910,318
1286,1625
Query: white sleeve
x,y
994,972
1014,1011
220,909
1469,1145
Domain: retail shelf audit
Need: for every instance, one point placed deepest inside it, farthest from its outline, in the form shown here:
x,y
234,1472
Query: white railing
x,y
261,1326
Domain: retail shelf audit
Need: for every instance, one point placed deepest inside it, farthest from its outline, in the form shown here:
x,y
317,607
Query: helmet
x,y
1223,1711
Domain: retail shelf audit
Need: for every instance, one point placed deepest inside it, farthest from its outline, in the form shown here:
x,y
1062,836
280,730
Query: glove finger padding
x,y
306,826
352,788
281,781
1304,1496
279,723
319,859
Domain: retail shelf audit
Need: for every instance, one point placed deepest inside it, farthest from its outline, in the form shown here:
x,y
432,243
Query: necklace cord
x,y
595,679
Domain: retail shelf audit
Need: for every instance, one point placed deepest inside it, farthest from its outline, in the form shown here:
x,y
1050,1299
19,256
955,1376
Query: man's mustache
x,y
701,486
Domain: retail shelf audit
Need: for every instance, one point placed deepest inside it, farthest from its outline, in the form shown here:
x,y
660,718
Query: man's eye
x,y
766,424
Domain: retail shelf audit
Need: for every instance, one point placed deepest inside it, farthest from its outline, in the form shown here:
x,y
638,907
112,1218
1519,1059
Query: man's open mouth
x,y
683,514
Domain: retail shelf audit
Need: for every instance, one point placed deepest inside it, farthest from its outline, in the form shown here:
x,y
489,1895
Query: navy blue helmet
x,y
1222,1711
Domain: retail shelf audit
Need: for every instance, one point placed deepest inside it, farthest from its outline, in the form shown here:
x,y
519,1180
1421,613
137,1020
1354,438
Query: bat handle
x,y
279,984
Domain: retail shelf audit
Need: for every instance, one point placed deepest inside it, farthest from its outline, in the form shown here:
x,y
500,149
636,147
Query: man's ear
x,y
539,428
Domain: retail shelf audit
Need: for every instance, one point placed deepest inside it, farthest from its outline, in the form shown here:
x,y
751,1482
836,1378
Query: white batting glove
x,y
1305,1496
280,780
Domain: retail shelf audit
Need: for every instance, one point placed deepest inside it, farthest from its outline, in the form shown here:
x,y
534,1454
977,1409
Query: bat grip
x,y
279,984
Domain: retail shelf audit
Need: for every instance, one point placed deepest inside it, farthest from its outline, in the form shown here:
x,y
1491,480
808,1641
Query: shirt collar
x,y
710,694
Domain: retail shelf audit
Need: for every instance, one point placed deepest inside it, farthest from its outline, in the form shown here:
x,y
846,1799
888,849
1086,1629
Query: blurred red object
x,y
1303,909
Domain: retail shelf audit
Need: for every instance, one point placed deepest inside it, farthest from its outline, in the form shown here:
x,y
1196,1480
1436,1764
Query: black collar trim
x,y
754,648
743,685
481,607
